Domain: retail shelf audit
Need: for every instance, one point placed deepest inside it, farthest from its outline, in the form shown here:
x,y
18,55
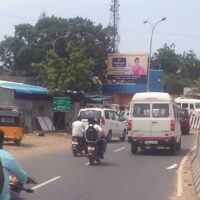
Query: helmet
x,y
91,120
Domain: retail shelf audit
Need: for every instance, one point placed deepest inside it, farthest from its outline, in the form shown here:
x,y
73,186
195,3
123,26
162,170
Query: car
x,y
110,121
184,121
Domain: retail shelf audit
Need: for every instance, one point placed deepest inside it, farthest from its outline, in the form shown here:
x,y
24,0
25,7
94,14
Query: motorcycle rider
x,y
101,136
11,167
78,130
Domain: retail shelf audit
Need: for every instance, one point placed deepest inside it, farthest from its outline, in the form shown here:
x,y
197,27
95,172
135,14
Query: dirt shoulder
x,y
33,145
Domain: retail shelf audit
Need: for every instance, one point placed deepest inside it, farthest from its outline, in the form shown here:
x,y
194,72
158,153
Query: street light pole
x,y
54,43
151,39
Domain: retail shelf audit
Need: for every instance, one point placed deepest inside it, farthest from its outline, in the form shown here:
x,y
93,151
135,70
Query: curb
x,y
196,169
196,175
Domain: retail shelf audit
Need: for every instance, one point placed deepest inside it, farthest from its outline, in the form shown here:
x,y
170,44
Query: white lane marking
x,y
87,163
120,149
194,148
172,166
46,182
180,181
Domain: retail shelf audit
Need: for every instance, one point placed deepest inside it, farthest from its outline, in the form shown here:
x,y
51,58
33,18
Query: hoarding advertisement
x,y
127,67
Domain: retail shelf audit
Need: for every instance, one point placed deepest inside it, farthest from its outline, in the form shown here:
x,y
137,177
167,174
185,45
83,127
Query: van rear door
x,y
141,123
160,124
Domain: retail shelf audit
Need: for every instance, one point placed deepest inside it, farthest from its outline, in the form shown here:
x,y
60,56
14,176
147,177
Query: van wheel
x,y
109,137
134,148
178,145
123,137
17,142
187,132
173,148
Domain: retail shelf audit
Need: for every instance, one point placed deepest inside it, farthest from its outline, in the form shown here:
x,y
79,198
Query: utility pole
x,y
114,22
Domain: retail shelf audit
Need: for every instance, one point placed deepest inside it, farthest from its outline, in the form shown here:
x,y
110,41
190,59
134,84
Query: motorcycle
x,y
77,146
16,187
93,152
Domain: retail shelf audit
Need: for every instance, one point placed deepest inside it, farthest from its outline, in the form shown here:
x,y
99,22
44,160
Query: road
x,y
121,175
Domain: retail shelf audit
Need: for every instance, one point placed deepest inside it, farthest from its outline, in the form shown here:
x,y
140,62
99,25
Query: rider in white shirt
x,y
78,128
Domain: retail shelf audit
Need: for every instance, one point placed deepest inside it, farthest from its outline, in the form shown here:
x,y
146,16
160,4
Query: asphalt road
x,y
120,176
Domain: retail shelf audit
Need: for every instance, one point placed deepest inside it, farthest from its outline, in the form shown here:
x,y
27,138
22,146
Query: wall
x,y
42,108
6,96
26,107
33,108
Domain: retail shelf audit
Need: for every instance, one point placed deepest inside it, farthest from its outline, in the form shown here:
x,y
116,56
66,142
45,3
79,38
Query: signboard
x,y
61,104
130,67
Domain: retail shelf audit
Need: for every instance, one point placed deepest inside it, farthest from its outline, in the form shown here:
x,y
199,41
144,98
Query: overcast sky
x,y
182,26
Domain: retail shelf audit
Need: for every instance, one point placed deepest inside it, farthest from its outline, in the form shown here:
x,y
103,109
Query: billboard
x,y
127,67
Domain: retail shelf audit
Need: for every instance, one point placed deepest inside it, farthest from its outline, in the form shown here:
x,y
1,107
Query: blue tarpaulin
x,y
23,88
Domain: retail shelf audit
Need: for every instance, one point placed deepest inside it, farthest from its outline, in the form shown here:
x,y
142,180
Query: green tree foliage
x,y
59,74
180,70
190,65
30,43
174,83
167,58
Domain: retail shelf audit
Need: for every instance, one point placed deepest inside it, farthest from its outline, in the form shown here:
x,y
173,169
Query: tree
x,y
174,84
8,51
30,43
190,65
59,75
167,58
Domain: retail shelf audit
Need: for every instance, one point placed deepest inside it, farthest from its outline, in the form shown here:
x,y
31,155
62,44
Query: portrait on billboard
x,y
131,68
137,69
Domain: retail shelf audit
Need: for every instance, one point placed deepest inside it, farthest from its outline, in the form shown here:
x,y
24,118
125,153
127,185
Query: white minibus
x,y
154,121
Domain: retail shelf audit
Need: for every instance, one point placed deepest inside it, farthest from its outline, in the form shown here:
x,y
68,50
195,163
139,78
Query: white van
x,y
192,105
154,122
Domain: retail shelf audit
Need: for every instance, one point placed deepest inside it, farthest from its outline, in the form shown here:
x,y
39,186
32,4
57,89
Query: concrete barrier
x,y
196,168
195,122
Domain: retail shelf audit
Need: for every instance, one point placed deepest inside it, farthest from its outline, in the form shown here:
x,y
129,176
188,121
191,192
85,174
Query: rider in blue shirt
x,y
11,167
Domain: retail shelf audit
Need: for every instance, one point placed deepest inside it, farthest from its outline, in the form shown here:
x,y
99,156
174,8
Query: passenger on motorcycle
x,y
11,167
78,130
101,136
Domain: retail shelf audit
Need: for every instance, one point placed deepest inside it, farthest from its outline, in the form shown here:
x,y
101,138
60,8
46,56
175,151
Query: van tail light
x,y
129,124
172,125
102,120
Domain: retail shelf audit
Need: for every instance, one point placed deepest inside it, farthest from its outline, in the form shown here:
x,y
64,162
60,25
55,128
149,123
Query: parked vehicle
x,y
78,145
184,121
11,123
155,122
192,105
110,121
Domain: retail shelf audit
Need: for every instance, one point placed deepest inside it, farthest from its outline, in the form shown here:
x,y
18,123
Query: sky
x,y
182,26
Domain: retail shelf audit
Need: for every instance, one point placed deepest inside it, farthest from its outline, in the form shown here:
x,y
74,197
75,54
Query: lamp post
x,y
149,61
54,43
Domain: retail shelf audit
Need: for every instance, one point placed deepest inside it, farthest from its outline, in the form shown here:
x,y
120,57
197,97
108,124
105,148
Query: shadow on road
x,y
116,141
162,152
105,164
23,145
